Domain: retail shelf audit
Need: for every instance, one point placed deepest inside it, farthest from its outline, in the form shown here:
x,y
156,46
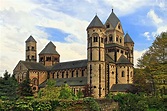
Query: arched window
x,y
110,38
76,73
57,75
123,74
66,74
107,26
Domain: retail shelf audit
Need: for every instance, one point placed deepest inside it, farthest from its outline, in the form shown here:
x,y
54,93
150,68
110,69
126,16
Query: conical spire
x,y
30,39
50,48
96,22
113,19
127,39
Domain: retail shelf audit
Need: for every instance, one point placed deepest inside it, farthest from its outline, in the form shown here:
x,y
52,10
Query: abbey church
x,y
108,67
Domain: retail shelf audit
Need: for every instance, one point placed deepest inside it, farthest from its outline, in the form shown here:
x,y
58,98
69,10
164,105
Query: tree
x,y
8,86
66,92
154,61
50,91
25,89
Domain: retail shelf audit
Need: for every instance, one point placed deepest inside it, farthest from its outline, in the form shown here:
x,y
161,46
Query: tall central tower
x,y
31,52
96,57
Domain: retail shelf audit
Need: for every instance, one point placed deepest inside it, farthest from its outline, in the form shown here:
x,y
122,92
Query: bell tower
x,y
31,52
96,57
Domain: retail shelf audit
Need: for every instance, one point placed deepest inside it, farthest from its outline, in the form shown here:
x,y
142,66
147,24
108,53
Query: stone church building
x,y
109,61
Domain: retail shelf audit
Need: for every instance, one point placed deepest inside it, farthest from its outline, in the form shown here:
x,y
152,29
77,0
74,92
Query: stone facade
x,y
109,61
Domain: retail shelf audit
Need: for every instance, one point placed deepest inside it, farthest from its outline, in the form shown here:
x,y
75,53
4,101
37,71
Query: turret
x,y
114,30
129,44
49,56
31,52
96,57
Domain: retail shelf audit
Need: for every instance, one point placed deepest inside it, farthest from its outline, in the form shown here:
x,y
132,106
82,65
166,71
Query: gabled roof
x,y
70,65
75,81
33,65
96,22
113,19
121,87
127,39
30,39
109,59
50,48
123,60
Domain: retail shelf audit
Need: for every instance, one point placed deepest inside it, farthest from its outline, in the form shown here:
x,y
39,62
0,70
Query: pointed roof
x,y
50,48
96,22
109,59
123,60
113,19
127,39
30,39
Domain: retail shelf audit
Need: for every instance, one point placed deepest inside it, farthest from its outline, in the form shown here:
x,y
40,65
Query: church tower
x,y
114,41
49,56
96,57
31,52
129,44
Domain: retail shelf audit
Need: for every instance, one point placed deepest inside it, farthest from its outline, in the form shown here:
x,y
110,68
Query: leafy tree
x,y
50,91
154,62
80,94
66,92
8,86
25,89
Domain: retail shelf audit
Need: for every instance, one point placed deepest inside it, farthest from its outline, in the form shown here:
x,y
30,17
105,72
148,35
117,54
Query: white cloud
x,y
137,55
154,17
147,35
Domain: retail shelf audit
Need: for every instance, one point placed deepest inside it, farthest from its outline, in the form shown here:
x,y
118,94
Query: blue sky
x,y
64,22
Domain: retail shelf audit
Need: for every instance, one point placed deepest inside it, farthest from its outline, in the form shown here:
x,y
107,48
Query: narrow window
x,y
123,74
107,26
95,39
48,58
28,48
32,48
67,74
41,58
102,40
117,39
110,38
62,74
106,39
120,40
76,73
72,75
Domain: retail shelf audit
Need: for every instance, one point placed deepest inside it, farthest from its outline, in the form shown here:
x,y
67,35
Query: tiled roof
x,y
109,59
121,87
30,39
113,20
70,65
96,22
33,65
127,39
50,48
75,81
123,60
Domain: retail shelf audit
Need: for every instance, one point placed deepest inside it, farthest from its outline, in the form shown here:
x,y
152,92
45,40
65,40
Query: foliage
x,y
66,92
24,89
80,94
8,86
136,102
153,65
93,105
50,91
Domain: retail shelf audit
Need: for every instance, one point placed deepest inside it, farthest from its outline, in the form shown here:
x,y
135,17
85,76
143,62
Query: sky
x,y
64,22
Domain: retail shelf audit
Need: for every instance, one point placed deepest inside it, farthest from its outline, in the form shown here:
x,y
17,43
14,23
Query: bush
x,y
93,105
